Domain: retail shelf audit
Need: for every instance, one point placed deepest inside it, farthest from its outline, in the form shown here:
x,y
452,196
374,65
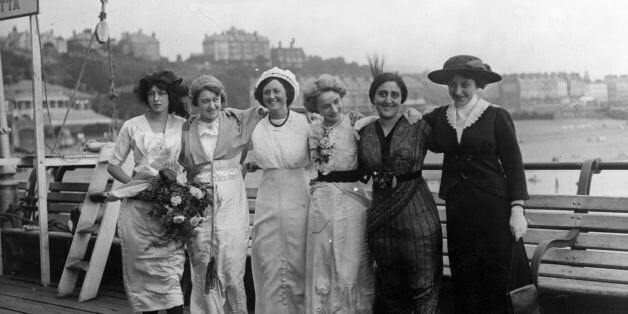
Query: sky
x,y
412,35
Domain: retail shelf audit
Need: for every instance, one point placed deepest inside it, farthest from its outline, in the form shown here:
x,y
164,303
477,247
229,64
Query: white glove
x,y
518,222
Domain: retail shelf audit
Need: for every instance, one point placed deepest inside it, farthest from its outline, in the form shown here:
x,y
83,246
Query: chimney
x,y
292,43
279,44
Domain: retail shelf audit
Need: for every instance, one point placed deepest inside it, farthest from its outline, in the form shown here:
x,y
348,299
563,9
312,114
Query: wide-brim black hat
x,y
467,66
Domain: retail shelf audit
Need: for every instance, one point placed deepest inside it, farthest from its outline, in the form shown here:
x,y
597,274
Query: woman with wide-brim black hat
x,y
484,187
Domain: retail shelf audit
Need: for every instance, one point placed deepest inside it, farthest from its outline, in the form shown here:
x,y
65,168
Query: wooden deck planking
x,y
27,297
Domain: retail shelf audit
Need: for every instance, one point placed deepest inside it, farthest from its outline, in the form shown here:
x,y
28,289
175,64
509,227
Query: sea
x,y
562,140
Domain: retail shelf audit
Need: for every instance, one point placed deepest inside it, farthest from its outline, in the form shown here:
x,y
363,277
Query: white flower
x,y
196,220
322,287
175,200
178,219
196,192
170,209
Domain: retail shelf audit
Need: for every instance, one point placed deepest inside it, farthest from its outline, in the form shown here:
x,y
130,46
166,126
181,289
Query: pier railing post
x,y
589,168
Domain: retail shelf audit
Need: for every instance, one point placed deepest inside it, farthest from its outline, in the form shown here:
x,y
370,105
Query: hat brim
x,y
444,76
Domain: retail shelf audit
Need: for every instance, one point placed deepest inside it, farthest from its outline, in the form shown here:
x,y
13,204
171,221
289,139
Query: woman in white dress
x,y
211,152
339,275
279,233
151,276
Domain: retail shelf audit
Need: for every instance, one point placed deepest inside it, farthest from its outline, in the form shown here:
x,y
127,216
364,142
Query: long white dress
x,y
339,271
151,276
279,232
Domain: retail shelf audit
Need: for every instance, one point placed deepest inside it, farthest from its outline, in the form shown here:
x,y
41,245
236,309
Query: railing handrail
x,y
608,165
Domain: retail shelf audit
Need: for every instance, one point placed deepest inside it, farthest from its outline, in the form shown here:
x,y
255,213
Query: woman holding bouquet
x,y
212,145
403,226
151,274
339,275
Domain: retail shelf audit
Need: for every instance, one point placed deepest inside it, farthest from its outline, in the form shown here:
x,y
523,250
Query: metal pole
x,y
40,157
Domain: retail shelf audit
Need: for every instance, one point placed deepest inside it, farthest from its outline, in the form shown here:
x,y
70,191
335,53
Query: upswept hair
x,y
316,87
376,65
167,81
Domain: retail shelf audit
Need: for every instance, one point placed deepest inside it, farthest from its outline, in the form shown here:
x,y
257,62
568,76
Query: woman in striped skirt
x,y
403,226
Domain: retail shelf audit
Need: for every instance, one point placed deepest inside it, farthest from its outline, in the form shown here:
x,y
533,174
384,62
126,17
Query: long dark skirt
x,y
480,246
407,251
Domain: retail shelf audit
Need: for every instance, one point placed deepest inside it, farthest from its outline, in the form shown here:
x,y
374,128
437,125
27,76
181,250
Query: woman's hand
x,y
355,116
412,115
518,222
251,166
360,124
5,130
312,117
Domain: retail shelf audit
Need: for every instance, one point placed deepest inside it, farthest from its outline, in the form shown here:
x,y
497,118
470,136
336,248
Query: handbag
x,y
524,299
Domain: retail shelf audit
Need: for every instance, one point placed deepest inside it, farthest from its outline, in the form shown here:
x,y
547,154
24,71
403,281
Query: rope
x,y
78,81
113,94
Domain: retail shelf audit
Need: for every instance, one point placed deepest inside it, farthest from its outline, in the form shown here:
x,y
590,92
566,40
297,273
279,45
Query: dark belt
x,y
409,176
341,176
390,180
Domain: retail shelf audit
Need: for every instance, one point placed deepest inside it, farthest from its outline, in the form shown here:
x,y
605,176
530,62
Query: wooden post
x,y
7,172
40,159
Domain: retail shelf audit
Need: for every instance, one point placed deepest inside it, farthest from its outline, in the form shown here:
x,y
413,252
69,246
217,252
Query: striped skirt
x,y
408,254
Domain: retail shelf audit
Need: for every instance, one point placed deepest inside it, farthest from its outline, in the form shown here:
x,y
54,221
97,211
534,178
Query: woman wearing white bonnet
x,y
279,233
211,148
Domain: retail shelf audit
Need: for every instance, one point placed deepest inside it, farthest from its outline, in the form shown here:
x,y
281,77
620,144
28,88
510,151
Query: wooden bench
x,y
577,244
64,202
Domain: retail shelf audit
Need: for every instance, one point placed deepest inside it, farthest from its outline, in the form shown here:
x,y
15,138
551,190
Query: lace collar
x,y
476,112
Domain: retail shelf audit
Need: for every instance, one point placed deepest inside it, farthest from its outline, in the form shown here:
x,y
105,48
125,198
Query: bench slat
x,y
68,186
549,284
592,222
601,241
586,258
572,202
584,273
60,197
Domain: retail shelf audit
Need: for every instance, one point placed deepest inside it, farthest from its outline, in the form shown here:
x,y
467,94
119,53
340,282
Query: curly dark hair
x,y
169,82
259,92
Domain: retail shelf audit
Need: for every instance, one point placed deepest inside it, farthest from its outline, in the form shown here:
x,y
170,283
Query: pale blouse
x,y
283,147
208,134
159,150
340,142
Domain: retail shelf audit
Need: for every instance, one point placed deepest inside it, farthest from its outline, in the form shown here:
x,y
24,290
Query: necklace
x,y
280,124
328,128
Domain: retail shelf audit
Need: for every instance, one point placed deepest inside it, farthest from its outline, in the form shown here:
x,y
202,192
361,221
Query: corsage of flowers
x,y
323,150
179,209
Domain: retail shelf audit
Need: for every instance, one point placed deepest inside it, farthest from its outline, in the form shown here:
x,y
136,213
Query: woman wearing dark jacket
x,y
483,185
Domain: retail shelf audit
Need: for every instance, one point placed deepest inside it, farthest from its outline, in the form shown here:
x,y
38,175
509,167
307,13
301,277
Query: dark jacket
x,y
488,156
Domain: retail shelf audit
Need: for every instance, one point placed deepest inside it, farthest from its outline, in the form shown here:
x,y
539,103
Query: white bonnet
x,y
286,75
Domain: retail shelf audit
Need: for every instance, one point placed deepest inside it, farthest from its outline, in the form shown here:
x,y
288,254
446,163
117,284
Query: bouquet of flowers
x,y
321,149
179,208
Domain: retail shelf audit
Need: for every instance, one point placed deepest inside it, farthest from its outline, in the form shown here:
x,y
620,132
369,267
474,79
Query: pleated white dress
x,y
279,232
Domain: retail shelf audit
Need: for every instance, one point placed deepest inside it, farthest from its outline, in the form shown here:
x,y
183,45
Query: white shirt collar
x,y
208,128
